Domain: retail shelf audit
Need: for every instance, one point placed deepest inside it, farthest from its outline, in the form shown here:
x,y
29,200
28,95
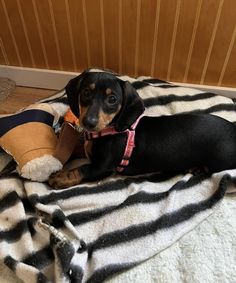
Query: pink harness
x,y
130,144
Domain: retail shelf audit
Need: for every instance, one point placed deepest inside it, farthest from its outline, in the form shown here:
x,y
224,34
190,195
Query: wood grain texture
x,y
8,37
47,23
128,27
3,54
164,37
146,36
202,39
23,97
188,9
224,33
189,41
111,30
93,11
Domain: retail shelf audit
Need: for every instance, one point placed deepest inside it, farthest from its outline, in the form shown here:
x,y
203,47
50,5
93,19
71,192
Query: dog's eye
x,y
111,99
85,95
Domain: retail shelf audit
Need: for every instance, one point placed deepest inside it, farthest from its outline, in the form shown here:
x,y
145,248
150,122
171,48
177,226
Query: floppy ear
x,y
72,91
132,107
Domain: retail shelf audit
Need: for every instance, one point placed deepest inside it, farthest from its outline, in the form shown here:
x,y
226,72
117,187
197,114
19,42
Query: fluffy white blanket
x,y
157,228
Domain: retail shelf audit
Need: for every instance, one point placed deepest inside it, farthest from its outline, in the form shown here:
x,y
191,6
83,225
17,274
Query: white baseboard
x,y
38,78
52,79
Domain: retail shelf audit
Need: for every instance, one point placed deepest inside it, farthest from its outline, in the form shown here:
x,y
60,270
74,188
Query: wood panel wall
x,y
179,40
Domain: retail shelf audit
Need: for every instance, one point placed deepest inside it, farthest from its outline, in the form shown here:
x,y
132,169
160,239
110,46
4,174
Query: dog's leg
x,y
94,172
88,172
64,179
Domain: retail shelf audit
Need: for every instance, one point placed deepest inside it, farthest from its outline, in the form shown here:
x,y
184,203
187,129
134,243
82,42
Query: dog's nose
x,y
90,122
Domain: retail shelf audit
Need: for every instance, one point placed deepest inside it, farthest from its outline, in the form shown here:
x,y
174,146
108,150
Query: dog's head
x,y
100,99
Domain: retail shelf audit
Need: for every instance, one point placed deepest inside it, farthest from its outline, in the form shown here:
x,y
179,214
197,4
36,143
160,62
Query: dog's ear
x,y
132,107
72,91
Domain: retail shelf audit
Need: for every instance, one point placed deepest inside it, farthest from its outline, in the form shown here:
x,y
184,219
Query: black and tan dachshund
x,y
175,143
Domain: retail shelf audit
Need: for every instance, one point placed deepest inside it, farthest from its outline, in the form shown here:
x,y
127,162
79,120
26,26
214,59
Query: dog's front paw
x,y
64,179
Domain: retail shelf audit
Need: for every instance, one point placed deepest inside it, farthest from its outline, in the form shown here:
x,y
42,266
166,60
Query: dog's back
x,y
180,142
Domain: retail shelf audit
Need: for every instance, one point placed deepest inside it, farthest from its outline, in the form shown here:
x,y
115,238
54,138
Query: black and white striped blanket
x,y
90,232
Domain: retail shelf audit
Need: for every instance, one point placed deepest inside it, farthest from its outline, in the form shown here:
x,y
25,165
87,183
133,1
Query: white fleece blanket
x,y
91,232
205,254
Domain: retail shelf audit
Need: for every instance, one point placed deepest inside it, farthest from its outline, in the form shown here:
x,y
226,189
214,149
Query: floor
x,y
22,97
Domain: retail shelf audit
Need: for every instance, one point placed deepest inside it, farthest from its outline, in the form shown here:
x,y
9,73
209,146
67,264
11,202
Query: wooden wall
x,y
179,40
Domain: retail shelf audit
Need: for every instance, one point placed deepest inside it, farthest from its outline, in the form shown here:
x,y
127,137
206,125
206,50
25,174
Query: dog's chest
x,y
88,144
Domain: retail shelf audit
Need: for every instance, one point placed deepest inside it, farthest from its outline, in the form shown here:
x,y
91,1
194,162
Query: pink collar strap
x,y
130,144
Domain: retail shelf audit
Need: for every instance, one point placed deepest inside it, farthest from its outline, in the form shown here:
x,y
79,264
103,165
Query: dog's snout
x,y
90,122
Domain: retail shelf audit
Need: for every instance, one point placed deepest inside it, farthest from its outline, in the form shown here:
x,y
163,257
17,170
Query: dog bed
x,y
155,227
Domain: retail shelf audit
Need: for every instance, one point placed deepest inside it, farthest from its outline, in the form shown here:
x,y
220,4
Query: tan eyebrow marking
x,y
108,91
92,86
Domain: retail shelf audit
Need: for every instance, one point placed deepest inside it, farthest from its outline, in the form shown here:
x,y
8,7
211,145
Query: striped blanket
x,y
92,231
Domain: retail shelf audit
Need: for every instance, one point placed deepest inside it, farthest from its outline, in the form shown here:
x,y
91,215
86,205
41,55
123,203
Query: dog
x,y
110,111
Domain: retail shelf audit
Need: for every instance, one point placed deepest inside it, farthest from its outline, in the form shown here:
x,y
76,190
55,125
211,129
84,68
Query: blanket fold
x,y
92,231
